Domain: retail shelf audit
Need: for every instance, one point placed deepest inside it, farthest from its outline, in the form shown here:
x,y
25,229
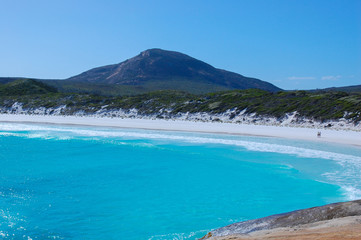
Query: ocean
x,y
66,182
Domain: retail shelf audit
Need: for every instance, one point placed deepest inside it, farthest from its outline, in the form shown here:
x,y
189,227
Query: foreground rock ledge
x,y
333,221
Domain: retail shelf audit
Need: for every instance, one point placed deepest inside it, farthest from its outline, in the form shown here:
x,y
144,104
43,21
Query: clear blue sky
x,y
294,44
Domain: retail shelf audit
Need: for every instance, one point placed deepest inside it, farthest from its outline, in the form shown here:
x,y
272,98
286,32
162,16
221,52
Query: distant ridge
x,y
159,69
349,89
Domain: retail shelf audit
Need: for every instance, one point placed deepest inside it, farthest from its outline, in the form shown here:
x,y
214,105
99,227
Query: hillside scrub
x,y
320,106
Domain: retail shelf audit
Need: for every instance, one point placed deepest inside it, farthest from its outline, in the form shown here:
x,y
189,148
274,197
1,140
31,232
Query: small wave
x,y
10,134
179,236
351,192
286,167
349,179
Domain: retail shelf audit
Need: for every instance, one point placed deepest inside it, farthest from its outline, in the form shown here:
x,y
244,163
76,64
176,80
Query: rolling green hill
x,y
25,87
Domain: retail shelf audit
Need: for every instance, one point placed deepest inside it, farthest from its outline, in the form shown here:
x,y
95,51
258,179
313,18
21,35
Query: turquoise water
x,y
61,182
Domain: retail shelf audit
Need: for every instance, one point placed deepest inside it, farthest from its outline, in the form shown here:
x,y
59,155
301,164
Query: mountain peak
x,y
161,53
169,70
153,51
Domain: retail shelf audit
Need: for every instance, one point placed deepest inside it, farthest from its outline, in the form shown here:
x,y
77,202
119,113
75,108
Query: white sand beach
x,y
327,135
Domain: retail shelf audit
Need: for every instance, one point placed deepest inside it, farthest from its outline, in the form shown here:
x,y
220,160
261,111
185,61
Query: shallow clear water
x,y
61,182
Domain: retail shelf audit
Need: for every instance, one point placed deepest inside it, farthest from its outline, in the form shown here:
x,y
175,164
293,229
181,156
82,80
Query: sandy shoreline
x,y
310,134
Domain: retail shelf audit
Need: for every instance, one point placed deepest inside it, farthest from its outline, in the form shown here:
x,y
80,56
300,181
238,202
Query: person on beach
x,y
318,134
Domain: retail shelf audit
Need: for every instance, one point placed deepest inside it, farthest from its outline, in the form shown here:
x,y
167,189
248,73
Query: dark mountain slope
x,y
161,69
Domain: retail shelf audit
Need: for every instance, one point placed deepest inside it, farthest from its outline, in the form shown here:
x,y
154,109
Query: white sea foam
x,y
349,179
50,132
10,134
351,192
178,236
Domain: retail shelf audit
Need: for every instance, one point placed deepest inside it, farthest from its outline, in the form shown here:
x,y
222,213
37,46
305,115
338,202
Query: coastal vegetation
x,y
318,105
25,87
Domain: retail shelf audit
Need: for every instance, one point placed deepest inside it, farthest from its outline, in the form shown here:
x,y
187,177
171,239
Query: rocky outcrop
x,y
328,215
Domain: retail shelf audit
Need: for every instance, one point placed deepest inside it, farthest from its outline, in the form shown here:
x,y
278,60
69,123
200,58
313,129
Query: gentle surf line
x,y
249,145
301,133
